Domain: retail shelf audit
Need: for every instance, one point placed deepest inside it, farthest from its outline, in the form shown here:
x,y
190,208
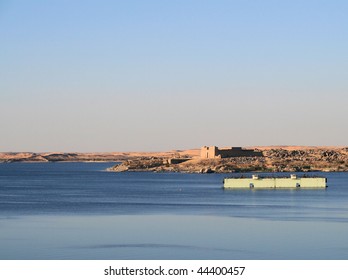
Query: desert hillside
x,y
275,158
85,157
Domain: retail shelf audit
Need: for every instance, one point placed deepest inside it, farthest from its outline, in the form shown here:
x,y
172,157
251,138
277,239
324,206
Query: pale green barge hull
x,y
274,183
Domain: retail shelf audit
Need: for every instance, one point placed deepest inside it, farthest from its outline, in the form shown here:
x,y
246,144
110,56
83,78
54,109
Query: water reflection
x,y
169,237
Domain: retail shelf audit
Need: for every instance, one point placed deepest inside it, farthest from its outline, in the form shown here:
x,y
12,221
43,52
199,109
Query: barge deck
x,y
293,181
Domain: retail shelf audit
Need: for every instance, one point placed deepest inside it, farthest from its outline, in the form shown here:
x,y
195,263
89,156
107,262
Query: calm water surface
x,y
79,211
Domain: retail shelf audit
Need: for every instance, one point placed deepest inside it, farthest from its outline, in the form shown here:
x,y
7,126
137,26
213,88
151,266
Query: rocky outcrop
x,y
274,160
308,160
278,159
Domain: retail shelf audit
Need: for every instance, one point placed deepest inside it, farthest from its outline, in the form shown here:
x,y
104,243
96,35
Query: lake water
x,y
79,211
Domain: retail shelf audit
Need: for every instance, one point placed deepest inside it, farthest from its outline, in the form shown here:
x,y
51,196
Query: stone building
x,y
215,152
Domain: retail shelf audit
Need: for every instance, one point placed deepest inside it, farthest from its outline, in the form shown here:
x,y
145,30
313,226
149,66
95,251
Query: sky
x,y
155,75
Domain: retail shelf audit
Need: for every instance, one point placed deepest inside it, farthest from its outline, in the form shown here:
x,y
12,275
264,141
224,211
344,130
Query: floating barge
x,y
259,182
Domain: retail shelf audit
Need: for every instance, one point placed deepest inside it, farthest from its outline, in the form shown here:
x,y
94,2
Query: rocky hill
x,y
274,160
282,159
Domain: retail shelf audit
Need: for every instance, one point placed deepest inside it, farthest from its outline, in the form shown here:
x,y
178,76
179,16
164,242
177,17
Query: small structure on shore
x,y
215,152
258,182
175,160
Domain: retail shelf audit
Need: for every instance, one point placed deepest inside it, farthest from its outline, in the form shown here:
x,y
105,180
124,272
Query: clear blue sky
x,y
160,75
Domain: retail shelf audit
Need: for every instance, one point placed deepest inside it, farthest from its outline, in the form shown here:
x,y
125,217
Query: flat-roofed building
x,y
215,152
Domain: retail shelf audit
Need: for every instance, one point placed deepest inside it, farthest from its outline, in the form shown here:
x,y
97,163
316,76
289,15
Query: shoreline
x,y
280,159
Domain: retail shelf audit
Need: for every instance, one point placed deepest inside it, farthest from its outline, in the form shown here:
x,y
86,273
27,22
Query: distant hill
x,y
275,159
